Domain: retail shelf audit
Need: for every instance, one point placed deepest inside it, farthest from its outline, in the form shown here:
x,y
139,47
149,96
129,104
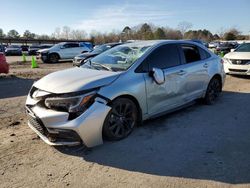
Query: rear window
x,y
191,53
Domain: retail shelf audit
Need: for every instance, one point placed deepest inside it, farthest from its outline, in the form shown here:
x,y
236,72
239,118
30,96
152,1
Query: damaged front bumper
x,y
55,128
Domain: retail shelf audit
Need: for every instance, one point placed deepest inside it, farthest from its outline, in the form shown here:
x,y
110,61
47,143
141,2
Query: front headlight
x,y
226,60
73,104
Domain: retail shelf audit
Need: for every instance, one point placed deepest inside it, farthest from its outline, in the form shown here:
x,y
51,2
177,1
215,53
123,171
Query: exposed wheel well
x,y
135,102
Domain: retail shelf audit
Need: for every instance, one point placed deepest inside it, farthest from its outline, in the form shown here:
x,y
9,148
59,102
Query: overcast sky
x,y
43,16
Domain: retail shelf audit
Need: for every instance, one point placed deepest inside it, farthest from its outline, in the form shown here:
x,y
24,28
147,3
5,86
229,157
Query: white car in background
x,y
238,61
63,51
213,44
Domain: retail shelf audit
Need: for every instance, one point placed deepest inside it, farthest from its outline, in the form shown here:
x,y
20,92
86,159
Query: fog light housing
x,y
63,135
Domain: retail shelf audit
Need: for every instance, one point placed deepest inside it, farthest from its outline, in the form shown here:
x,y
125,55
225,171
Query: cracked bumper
x,y
88,125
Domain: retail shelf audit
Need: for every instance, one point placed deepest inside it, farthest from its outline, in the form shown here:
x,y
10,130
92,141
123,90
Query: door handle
x,y
182,72
205,65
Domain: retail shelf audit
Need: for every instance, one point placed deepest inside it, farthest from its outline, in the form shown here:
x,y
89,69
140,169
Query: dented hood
x,y
75,79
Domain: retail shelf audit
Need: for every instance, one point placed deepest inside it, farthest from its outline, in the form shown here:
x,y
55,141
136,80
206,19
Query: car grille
x,y
237,70
37,124
240,62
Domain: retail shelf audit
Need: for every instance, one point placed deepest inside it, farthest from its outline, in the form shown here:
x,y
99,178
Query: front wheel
x,y
213,91
53,58
121,119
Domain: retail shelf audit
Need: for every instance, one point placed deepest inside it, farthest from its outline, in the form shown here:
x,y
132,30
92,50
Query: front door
x,y
170,94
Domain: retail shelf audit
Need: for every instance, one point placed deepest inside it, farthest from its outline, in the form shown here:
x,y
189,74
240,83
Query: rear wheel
x,y
121,119
213,91
53,58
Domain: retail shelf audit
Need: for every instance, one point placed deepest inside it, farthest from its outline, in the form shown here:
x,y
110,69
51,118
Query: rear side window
x,y
191,53
74,45
71,45
163,57
204,54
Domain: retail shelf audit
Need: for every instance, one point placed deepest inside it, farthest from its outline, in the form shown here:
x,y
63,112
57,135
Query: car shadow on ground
x,y
12,86
199,142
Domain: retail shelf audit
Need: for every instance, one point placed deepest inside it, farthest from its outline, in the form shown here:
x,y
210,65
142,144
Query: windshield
x,y
101,48
243,48
119,58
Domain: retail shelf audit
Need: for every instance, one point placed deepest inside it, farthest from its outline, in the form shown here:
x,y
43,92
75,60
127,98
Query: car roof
x,y
157,42
113,43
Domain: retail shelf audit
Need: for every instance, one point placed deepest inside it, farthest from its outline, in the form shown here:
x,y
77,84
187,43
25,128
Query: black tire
x,y
213,91
121,119
53,58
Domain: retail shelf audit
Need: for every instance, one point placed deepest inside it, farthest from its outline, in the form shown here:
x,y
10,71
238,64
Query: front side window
x,y
73,45
163,57
191,53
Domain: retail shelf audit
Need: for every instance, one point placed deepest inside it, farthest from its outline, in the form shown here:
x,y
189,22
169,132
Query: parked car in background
x,y
45,46
2,48
213,44
108,96
225,47
25,48
4,66
79,59
238,61
33,49
62,51
13,50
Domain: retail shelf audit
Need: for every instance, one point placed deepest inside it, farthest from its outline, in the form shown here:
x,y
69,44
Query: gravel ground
x,y
199,146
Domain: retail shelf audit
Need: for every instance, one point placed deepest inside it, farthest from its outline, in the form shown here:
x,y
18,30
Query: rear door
x,y
196,67
70,50
75,50
168,95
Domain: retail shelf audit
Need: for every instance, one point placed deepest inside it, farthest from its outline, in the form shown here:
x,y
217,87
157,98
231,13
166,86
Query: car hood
x,y
43,50
75,79
238,55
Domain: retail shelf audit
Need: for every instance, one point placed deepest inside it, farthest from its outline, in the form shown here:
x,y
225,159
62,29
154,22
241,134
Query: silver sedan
x,y
115,91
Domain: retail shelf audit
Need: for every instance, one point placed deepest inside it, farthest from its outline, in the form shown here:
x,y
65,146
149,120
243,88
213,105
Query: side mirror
x,y
158,75
232,50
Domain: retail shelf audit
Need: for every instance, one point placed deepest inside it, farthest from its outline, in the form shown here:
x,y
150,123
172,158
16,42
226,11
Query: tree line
x,y
140,32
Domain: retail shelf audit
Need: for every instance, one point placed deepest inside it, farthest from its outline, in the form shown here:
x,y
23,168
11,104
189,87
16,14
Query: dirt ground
x,y
199,146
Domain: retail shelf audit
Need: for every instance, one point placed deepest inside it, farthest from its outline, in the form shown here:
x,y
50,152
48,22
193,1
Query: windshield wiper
x,y
103,66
